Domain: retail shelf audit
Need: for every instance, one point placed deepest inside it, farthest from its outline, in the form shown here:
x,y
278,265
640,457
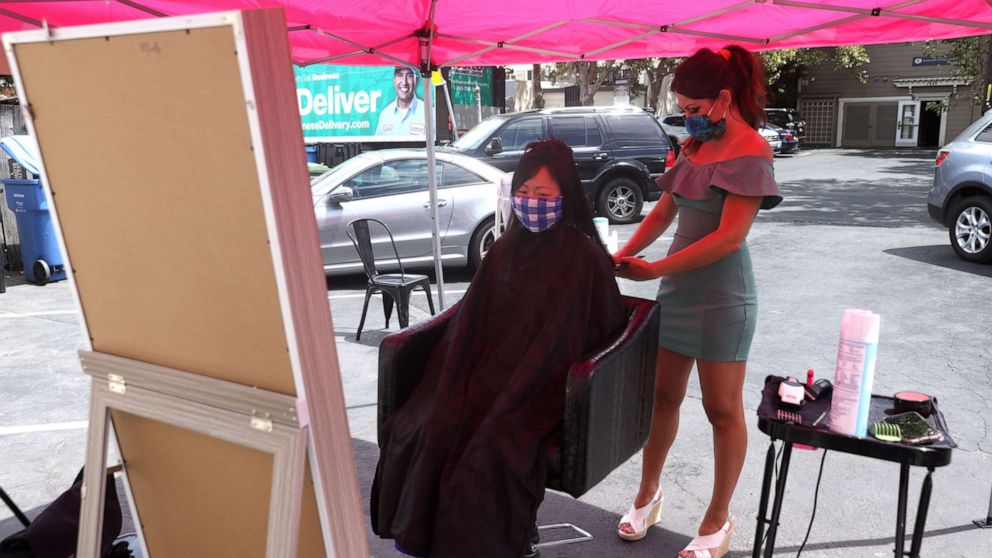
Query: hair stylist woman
x,y
707,292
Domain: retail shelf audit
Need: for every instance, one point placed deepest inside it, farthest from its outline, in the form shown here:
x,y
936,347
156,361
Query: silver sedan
x,y
391,185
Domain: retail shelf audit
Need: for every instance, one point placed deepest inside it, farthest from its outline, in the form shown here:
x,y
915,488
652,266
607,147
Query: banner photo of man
x,y
359,103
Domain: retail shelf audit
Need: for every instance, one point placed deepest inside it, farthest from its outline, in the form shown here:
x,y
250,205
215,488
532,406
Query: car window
x,y
985,135
518,134
569,129
401,176
778,118
323,184
576,131
474,138
453,175
678,121
636,131
594,138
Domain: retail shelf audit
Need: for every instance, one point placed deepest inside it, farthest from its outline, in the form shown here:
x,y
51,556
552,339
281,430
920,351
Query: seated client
x,y
463,463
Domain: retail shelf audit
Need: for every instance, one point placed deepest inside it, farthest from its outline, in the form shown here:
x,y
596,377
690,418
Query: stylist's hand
x,y
618,257
636,269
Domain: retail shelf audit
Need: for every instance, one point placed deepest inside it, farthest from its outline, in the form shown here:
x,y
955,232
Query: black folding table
x,y
790,433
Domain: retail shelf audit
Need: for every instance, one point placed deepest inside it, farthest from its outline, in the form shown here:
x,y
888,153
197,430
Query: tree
x,y
657,69
538,101
971,59
589,76
785,67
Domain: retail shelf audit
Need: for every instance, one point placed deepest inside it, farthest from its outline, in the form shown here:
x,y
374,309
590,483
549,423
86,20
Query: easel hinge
x,y
262,422
116,383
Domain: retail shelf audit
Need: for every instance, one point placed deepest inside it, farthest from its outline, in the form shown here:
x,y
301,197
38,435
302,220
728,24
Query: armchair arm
x,y
609,400
402,358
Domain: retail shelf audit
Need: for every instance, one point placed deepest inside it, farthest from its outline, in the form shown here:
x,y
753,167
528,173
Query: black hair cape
x,y
463,463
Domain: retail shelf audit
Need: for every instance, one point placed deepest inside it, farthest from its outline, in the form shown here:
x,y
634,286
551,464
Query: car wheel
x,y
620,201
482,239
970,229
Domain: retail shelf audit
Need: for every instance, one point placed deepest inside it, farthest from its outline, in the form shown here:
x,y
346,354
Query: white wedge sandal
x,y
701,545
642,518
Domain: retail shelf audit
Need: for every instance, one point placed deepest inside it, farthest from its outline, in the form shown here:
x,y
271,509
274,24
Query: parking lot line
x,y
50,427
7,315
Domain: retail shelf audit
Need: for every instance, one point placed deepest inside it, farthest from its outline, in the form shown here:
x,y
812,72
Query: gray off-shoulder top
x,y
744,176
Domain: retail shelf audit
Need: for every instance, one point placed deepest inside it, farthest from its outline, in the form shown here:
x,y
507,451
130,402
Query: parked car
x,y
619,151
391,185
674,126
788,119
789,143
772,137
961,197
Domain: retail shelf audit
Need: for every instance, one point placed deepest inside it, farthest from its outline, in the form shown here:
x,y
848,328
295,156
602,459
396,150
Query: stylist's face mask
x,y
537,214
702,129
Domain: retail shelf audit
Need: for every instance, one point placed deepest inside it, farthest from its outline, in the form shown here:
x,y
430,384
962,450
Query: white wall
x,y
555,98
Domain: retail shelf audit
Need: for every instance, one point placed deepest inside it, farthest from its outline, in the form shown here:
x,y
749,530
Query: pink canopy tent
x,y
427,33
468,32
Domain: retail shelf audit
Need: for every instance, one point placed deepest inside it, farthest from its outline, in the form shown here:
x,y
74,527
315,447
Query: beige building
x,y
910,100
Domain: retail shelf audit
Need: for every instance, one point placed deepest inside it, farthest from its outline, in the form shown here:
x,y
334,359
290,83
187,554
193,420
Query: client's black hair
x,y
556,156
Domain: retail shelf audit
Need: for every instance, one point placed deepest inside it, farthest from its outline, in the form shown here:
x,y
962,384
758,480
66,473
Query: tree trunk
x,y
591,77
538,102
654,90
665,67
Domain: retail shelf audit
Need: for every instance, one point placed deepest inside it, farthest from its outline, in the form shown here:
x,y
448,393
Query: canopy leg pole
x,y
987,522
432,183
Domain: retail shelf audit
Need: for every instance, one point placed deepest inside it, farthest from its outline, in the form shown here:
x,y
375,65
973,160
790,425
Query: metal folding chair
x,y
395,288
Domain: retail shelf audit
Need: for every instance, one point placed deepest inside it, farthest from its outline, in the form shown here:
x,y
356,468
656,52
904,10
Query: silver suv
x,y
961,197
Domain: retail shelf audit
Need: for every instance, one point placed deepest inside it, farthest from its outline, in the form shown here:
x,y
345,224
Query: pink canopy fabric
x,y
484,33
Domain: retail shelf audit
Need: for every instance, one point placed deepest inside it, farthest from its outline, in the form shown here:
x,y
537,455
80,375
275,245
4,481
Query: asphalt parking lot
x,y
853,232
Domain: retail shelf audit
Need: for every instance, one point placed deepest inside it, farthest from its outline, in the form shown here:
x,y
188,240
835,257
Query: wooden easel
x,y
175,169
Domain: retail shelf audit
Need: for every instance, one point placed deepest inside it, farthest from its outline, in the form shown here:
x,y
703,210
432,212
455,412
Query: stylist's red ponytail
x,y
751,96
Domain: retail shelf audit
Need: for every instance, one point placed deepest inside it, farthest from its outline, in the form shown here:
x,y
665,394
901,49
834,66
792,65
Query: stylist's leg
x,y
722,384
671,378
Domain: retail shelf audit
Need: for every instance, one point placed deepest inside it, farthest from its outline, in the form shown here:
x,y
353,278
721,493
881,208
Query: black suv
x,y
788,119
619,151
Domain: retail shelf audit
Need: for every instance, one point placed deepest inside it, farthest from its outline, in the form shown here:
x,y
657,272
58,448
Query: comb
x,y
887,432
786,416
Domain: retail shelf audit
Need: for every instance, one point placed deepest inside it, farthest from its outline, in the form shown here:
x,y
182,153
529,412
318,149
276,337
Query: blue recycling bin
x,y
39,247
26,198
311,153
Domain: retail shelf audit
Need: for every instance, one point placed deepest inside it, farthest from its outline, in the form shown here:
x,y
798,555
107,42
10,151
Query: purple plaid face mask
x,y
537,214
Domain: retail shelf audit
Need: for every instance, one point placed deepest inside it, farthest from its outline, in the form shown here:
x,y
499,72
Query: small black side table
x,y
929,456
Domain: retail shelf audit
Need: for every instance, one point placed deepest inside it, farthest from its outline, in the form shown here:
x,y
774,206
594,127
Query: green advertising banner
x,y
359,103
462,83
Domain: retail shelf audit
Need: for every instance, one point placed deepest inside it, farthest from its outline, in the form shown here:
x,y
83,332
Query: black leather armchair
x,y
608,398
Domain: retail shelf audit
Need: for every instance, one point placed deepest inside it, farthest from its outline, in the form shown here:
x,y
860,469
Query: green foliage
x,y
970,59
589,76
785,67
